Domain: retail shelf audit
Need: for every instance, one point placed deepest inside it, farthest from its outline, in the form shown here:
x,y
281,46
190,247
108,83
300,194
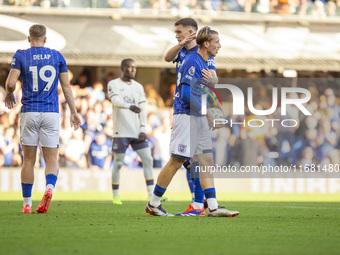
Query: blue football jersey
x,y
190,73
40,68
99,153
184,52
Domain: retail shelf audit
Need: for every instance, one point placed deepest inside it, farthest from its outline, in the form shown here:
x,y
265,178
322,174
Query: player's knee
x,y
176,162
118,164
148,160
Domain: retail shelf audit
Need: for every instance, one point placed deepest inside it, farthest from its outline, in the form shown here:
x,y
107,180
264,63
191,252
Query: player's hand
x,y
75,121
9,101
142,137
188,39
207,76
211,119
135,109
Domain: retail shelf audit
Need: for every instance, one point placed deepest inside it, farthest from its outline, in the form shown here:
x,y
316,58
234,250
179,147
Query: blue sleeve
x,y
211,63
210,99
62,63
175,60
16,61
185,96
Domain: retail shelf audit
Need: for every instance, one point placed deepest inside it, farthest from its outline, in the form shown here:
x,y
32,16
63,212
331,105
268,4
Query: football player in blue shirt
x,y
185,30
39,68
189,122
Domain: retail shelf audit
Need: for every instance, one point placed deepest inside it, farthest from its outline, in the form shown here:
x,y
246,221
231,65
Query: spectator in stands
x,y
331,8
3,76
153,100
319,9
247,150
65,134
212,5
162,136
2,160
307,157
34,3
3,108
169,101
326,139
131,4
261,6
333,108
100,152
75,151
115,3
83,80
58,3
97,93
10,147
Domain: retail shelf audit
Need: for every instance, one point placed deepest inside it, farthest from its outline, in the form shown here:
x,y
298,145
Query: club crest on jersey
x,y
183,54
192,70
115,146
182,148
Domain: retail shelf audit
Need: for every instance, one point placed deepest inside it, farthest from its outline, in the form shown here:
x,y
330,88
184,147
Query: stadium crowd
x,y
315,140
317,8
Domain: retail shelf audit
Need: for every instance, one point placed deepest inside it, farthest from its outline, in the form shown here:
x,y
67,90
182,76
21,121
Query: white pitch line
x,y
292,207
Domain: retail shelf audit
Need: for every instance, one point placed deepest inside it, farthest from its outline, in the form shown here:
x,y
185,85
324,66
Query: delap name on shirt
x,y
41,56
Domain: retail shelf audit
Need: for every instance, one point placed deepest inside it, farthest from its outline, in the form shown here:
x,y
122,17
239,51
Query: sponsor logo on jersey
x,y
177,94
192,70
182,148
13,62
211,62
188,77
129,100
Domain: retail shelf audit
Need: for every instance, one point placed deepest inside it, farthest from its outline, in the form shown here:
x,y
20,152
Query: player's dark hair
x,y
187,22
36,31
205,35
125,62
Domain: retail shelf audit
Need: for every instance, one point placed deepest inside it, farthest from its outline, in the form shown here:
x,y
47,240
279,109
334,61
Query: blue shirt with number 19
x,y
40,68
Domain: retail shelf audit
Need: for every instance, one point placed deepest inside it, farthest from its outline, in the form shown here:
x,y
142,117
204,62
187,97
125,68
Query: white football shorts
x,y
190,135
40,127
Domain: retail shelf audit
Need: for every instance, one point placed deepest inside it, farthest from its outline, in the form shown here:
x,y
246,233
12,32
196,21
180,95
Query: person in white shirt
x,y
129,120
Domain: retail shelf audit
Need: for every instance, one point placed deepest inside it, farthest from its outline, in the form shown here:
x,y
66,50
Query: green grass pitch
x,y
99,227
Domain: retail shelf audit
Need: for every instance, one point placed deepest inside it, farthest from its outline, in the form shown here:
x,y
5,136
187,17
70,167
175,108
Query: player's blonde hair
x,y
205,35
37,31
